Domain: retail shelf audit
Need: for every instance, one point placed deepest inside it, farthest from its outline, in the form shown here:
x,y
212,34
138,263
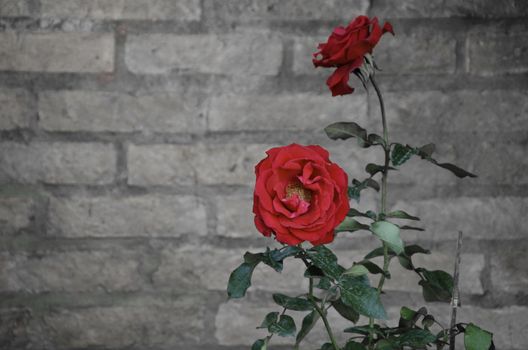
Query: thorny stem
x,y
386,148
322,313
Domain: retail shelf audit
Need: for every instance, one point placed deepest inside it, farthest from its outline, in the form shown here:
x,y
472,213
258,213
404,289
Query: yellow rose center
x,y
301,192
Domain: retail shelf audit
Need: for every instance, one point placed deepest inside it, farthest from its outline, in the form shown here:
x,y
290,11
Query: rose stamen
x,y
297,189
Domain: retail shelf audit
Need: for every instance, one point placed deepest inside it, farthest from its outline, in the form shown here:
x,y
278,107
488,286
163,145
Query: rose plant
x,y
301,196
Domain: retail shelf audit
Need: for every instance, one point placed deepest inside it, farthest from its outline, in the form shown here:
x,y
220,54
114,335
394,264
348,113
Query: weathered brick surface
x,y
135,216
57,163
492,54
15,111
76,271
247,10
449,8
185,268
484,218
130,130
420,52
283,112
96,111
57,52
146,322
120,9
251,53
15,8
426,112
15,213
509,270
186,164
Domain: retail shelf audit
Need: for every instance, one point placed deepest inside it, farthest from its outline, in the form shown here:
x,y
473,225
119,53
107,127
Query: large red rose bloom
x,y
346,48
300,195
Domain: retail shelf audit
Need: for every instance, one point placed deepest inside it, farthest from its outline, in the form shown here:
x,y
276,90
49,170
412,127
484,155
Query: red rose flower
x,y
299,195
346,48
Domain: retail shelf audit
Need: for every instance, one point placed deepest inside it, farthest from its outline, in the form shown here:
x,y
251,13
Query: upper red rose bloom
x,y
345,50
299,195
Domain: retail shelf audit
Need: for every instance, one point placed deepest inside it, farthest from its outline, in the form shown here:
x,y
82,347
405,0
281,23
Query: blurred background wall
x,y
129,133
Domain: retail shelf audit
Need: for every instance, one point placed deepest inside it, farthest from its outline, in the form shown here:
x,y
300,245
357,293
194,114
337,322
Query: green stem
x,y
323,316
383,209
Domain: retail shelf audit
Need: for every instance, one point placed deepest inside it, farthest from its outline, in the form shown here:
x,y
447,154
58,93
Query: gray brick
x,y
57,162
248,10
427,112
303,49
235,216
14,8
249,53
509,271
191,164
478,218
74,271
13,327
237,320
16,213
491,54
449,8
97,111
146,323
189,10
57,52
185,268
141,216
284,112
470,271
15,112
420,52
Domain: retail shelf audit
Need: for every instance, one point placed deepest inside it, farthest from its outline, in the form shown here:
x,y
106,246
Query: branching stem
x,y
383,209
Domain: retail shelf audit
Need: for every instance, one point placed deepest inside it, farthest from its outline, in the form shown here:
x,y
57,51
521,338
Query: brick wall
x,y
129,131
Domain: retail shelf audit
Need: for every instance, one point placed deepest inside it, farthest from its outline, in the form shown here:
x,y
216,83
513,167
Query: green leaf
x,y
324,259
362,298
417,338
389,233
285,327
412,249
324,283
428,321
346,130
385,344
297,304
260,344
400,154
313,271
373,169
369,214
273,258
476,338
281,254
375,253
459,172
350,225
240,280
352,345
437,286
411,228
354,191
270,319
375,139
407,314
346,311
400,214
426,151
308,324
406,262
364,330
327,346
356,270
